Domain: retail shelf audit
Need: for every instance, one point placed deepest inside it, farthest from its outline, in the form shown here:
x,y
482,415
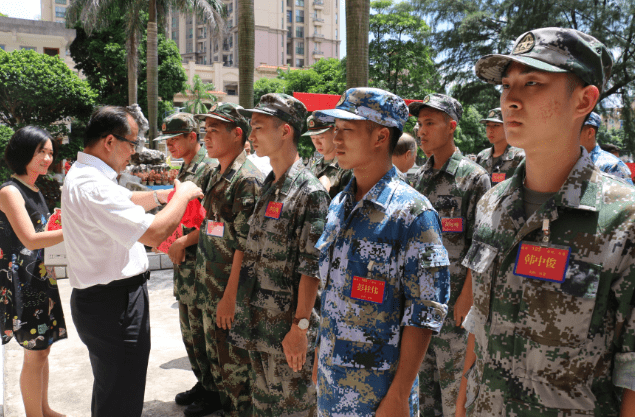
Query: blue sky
x,y
30,9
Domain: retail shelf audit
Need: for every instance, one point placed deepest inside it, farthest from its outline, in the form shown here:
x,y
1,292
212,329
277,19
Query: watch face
x,y
303,324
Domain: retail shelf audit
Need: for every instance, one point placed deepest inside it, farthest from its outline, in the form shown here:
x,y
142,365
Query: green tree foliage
x,y
466,30
470,134
326,76
200,91
268,85
400,59
39,89
102,59
5,134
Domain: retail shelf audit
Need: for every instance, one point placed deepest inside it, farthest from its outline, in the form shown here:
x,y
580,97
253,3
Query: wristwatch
x,y
303,324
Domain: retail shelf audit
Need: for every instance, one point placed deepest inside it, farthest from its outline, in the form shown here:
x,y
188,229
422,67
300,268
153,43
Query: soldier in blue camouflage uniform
x,y
606,161
230,197
326,168
454,184
383,269
502,159
180,133
553,251
275,317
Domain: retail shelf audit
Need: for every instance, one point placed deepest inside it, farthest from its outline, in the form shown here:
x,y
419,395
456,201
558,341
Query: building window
x,y
29,48
60,1
216,47
336,34
230,7
175,36
2,47
299,31
335,17
299,16
190,33
60,11
299,62
290,16
175,21
299,3
289,48
189,48
299,48
52,51
228,60
289,32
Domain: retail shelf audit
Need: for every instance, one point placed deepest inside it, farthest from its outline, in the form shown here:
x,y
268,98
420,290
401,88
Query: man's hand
x,y
462,307
295,345
326,182
391,406
225,312
177,251
187,189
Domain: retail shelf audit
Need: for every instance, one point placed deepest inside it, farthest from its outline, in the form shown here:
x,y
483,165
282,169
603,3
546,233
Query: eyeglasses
x,y
121,138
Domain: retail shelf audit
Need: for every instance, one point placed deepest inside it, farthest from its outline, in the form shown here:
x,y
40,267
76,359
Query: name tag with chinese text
x,y
498,177
274,210
452,224
215,229
547,263
368,290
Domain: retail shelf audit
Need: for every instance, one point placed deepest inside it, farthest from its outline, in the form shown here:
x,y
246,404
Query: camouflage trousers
x,y
193,334
344,391
441,371
277,391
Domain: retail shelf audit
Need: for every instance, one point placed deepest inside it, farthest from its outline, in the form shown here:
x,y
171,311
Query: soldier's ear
x,y
239,132
585,100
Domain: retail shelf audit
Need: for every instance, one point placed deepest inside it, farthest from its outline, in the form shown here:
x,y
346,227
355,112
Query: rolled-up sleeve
x,y
426,277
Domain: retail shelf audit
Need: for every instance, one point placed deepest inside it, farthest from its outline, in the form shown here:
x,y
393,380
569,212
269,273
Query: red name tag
x,y
273,210
498,177
368,290
540,262
452,224
215,229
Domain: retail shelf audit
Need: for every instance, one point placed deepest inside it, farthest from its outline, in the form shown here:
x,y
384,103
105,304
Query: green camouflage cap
x,y
494,115
441,102
553,50
228,113
282,106
176,125
317,127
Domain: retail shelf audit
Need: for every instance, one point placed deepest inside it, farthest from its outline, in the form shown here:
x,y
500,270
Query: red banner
x,y
631,166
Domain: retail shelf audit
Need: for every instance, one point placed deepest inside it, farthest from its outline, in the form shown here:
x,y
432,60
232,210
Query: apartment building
x,y
54,10
288,32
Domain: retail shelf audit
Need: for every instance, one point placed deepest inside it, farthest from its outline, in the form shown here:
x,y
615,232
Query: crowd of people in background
x,y
500,284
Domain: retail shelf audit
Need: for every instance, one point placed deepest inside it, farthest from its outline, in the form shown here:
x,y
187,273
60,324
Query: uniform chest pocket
x,y
554,314
448,205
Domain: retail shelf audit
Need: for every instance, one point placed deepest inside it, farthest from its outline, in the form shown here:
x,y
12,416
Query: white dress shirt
x,y
101,225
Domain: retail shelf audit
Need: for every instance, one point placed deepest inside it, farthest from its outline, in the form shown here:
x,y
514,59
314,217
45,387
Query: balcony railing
x,y
318,35
318,52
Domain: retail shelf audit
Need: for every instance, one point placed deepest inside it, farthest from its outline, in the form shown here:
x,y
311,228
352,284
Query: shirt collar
x,y
581,190
287,179
235,166
380,193
101,166
200,155
450,166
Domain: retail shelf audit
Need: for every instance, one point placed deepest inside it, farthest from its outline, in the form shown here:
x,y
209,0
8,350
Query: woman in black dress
x,y
30,305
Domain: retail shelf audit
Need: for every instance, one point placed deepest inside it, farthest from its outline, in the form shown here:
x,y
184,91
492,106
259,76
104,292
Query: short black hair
x,y
107,120
296,133
395,134
23,145
232,125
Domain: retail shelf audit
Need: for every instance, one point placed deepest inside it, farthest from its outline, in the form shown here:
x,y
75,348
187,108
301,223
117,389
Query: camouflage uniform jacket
x,y
197,171
230,199
339,177
611,164
277,253
392,236
507,164
546,348
454,192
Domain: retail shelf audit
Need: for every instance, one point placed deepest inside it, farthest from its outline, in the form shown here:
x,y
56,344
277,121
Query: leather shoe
x,y
188,397
200,408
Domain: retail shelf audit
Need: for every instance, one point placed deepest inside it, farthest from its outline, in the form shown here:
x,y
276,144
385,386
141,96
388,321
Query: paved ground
x,y
71,376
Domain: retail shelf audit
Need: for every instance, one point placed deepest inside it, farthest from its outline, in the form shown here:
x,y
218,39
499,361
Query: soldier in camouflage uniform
x,y
454,184
552,255
230,197
275,319
501,160
383,269
606,161
326,168
180,133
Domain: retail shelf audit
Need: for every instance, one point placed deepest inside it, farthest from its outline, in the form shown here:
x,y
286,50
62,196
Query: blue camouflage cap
x,y
374,104
594,120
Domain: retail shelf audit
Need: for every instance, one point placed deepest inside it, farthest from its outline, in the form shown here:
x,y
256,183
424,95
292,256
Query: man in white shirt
x,y
105,228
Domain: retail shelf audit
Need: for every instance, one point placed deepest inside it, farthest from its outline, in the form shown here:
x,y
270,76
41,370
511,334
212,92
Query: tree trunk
x,y
133,62
153,72
357,27
246,45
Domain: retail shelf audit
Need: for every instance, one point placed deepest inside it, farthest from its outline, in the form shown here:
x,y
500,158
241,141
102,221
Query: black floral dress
x,y
30,306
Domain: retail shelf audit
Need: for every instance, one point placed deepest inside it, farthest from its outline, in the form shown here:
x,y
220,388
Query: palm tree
x,y
200,91
357,27
246,45
96,14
